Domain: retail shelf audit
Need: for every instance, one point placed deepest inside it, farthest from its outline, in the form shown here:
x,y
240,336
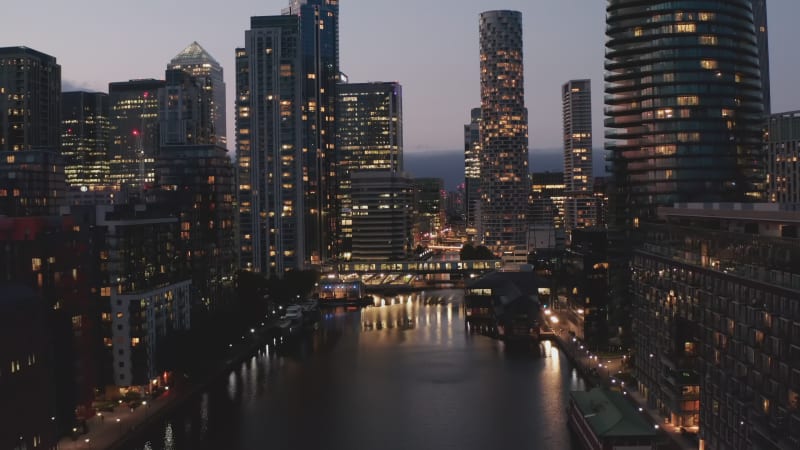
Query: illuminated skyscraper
x,y
197,62
85,137
505,185
369,120
286,95
472,165
684,105
369,136
319,56
30,100
135,136
576,98
31,169
269,146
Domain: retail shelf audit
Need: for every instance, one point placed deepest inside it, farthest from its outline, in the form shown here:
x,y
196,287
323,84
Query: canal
x,y
404,375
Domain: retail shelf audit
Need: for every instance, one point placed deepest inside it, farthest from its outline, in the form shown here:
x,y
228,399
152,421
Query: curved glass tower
x,y
683,104
505,186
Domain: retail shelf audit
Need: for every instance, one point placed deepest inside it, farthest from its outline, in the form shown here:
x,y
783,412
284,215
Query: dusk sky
x,y
429,46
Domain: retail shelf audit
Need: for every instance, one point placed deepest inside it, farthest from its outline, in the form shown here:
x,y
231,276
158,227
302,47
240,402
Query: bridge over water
x,y
419,267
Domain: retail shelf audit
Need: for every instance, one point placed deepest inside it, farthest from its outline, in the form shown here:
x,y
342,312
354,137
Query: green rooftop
x,y
610,414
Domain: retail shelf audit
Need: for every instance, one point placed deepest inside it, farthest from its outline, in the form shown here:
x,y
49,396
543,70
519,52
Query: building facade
x,y
684,105
50,256
382,215
198,63
144,289
85,137
548,198
186,110
26,372
135,135
196,182
576,97
783,158
269,147
429,210
369,136
472,166
762,37
717,321
319,58
503,133
30,100
31,170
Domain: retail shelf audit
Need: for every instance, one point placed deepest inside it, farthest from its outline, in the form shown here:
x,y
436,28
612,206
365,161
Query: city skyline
x,y
444,42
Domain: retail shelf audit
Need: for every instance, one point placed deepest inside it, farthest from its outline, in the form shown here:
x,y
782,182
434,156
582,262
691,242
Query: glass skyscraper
x,y
319,55
472,166
505,184
684,105
285,131
269,146
576,98
85,137
196,61
369,137
135,136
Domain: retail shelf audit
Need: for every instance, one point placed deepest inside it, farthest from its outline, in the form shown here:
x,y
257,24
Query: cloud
x,y
71,85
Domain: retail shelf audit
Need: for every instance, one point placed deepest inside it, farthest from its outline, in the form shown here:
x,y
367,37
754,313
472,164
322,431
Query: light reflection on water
x,y
410,370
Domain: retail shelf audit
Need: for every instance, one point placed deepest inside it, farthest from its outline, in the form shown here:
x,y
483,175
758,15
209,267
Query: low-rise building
x,y
605,420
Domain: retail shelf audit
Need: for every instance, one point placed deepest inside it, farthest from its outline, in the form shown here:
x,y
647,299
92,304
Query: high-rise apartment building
x,y
576,96
30,100
269,146
135,136
684,105
504,178
31,169
198,63
472,166
85,138
783,158
319,59
286,95
762,37
369,136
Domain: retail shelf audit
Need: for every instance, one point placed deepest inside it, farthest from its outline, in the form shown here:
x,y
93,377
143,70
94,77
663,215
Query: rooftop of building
x,y
22,50
194,53
609,414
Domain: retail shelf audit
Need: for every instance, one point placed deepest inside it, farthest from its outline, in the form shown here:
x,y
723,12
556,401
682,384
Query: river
x,y
405,375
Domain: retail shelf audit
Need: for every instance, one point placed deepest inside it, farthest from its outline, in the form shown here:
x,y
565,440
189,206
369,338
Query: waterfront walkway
x,y
604,371
112,429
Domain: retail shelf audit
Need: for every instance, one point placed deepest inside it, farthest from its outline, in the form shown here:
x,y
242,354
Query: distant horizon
x,y
449,164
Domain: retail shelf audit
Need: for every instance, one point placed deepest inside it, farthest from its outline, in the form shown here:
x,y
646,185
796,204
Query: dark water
x,y
401,376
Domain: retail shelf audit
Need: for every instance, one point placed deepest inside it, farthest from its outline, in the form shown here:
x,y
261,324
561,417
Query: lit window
x,y
708,64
